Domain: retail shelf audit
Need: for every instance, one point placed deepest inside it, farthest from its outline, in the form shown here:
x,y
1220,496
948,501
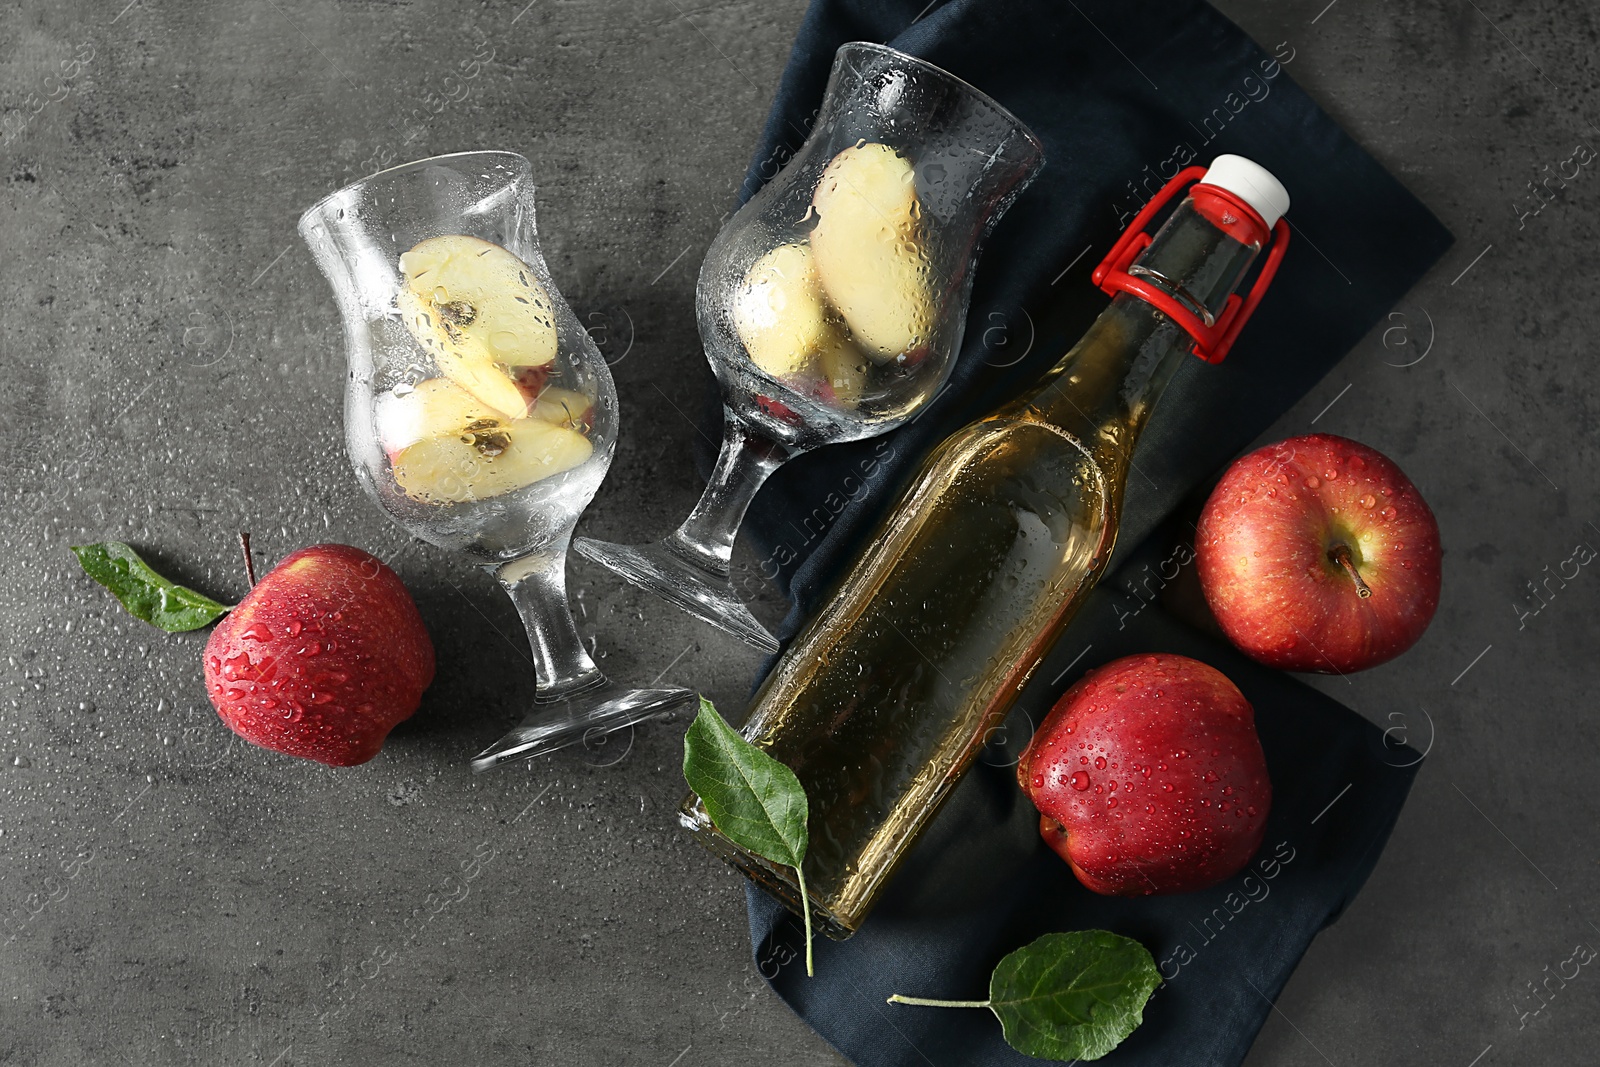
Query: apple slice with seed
x,y
448,447
480,313
431,408
488,458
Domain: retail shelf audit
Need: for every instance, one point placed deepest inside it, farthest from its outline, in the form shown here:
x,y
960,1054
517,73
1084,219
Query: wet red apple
x,y
1318,554
322,659
1149,777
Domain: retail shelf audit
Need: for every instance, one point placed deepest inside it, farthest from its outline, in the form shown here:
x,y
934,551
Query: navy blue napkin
x,y
1123,93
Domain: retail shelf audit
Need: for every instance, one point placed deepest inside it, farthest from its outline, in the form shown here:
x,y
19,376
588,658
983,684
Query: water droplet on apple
x,y
258,632
1038,781
1313,482
1079,780
294,628
1369,501
1099,763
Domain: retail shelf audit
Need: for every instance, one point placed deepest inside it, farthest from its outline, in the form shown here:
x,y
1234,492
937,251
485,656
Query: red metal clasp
x,y
1227,209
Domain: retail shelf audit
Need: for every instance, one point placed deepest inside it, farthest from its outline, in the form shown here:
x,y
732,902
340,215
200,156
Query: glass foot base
x,y
582,716
694,589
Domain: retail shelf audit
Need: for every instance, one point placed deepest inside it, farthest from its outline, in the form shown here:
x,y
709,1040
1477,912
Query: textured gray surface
x,y
173,371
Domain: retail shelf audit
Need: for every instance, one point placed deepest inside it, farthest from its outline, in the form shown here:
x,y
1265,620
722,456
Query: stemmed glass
x,y
478,412
832,305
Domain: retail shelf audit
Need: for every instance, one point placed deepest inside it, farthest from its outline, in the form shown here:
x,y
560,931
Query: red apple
x,y
1318,554
322,659
1149,777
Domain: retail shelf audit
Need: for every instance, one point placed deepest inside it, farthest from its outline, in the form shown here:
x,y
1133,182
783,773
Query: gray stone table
x,y
172,373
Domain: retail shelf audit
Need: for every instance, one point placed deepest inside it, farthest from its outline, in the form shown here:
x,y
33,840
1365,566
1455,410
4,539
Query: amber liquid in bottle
x,y
883,701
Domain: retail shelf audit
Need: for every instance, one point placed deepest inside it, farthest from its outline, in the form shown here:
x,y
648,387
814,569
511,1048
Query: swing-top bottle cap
x,y
1241,199
1252,183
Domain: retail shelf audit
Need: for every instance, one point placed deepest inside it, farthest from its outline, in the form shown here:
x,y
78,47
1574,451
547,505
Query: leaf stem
x,y
926,1003
805,907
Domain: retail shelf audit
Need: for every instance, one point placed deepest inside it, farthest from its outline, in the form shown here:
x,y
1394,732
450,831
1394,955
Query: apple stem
x,y
1340,554
249,561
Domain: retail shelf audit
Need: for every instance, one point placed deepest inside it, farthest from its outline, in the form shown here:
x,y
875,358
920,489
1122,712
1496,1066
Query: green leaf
x,y
753,799
1072,996
145,593
1066,997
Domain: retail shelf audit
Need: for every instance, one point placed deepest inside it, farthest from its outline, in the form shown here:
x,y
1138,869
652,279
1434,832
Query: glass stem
x,y
537,585
743,465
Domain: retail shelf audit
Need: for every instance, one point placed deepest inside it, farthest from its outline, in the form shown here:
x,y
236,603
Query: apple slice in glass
x,y
480,314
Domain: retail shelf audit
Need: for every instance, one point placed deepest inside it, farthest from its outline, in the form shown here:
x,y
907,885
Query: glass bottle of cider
x,y
882,702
